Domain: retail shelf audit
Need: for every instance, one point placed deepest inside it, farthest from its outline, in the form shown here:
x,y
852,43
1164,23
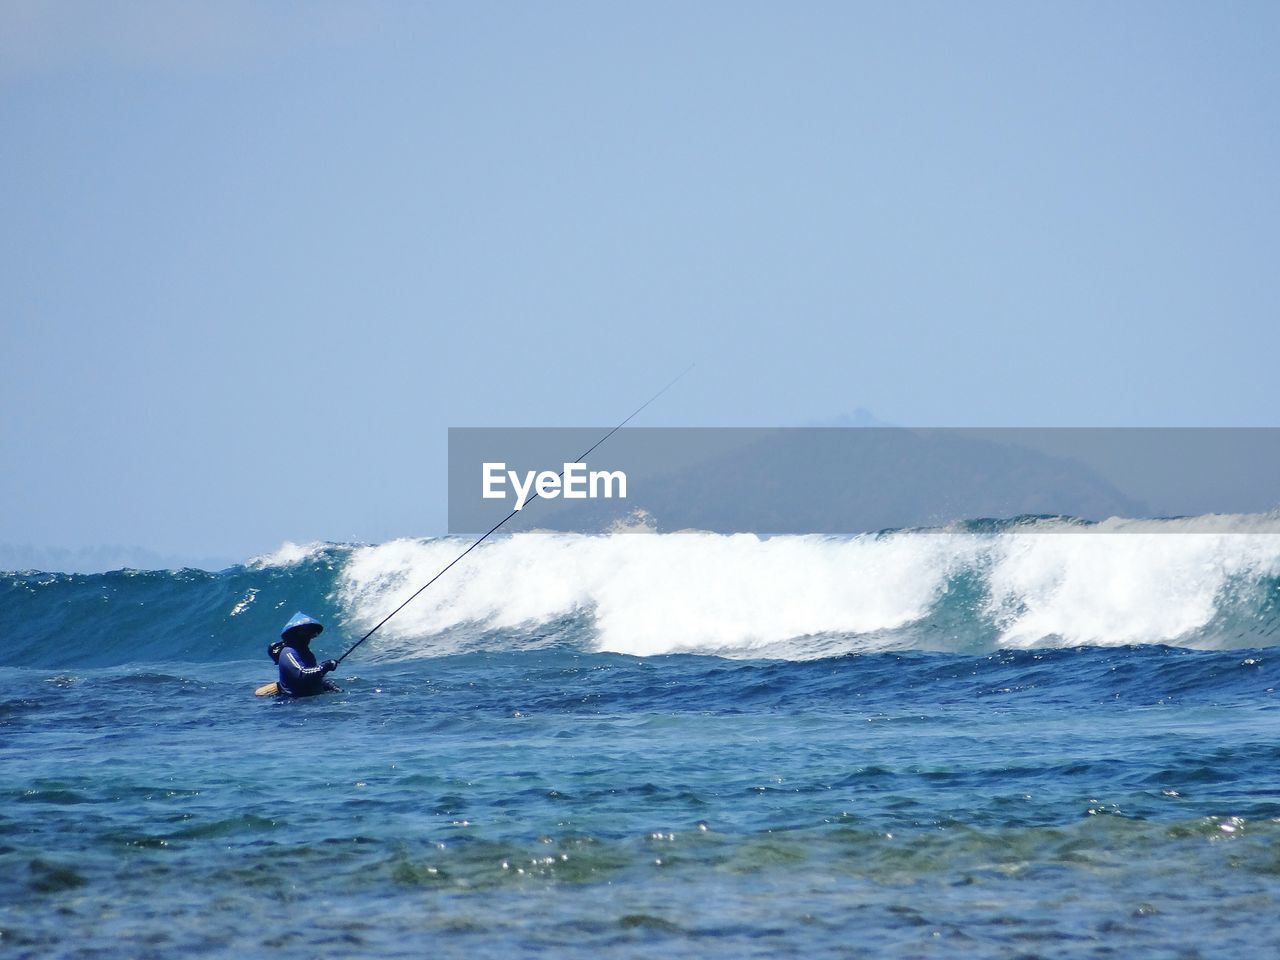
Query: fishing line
x,y
496,526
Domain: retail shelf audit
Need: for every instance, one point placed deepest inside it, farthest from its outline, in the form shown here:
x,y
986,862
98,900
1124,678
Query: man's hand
x,y
329,666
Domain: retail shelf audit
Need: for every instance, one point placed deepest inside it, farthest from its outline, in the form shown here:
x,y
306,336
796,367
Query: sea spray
x,y
973,588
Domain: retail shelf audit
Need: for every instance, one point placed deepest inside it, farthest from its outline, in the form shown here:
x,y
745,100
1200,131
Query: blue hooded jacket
x,y
300,676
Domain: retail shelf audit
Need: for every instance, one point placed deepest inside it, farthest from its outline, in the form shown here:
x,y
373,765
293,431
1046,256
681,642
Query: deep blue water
x,y
534,795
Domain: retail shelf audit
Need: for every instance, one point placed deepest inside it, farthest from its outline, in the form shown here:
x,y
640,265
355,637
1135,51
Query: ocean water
x,y
970,743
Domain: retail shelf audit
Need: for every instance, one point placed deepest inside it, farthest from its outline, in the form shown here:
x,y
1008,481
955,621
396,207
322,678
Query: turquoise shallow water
x,y
919,773
1066,803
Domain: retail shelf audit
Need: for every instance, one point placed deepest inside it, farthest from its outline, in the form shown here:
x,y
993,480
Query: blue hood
x,y
301,628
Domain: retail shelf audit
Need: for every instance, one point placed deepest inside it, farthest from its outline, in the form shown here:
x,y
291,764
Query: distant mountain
x,y
839,480
861,417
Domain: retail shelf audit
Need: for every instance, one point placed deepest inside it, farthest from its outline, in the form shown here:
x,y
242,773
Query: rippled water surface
x,y
1071,802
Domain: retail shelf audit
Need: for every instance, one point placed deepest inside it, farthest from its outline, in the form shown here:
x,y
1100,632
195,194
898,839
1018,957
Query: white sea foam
x,y
802,597
1133,587
287,554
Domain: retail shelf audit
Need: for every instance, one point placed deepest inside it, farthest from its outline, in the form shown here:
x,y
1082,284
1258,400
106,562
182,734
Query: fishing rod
x,y
496,526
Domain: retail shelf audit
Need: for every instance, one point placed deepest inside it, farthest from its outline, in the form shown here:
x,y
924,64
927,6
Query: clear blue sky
x,y
256,258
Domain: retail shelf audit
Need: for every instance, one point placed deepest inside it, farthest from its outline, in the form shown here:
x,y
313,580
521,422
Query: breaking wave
x,y
972,589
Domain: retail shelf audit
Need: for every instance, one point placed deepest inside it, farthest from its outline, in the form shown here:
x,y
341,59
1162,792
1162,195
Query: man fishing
x,y
300,675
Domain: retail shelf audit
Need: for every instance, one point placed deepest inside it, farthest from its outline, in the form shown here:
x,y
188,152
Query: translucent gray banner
x,y
858,480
